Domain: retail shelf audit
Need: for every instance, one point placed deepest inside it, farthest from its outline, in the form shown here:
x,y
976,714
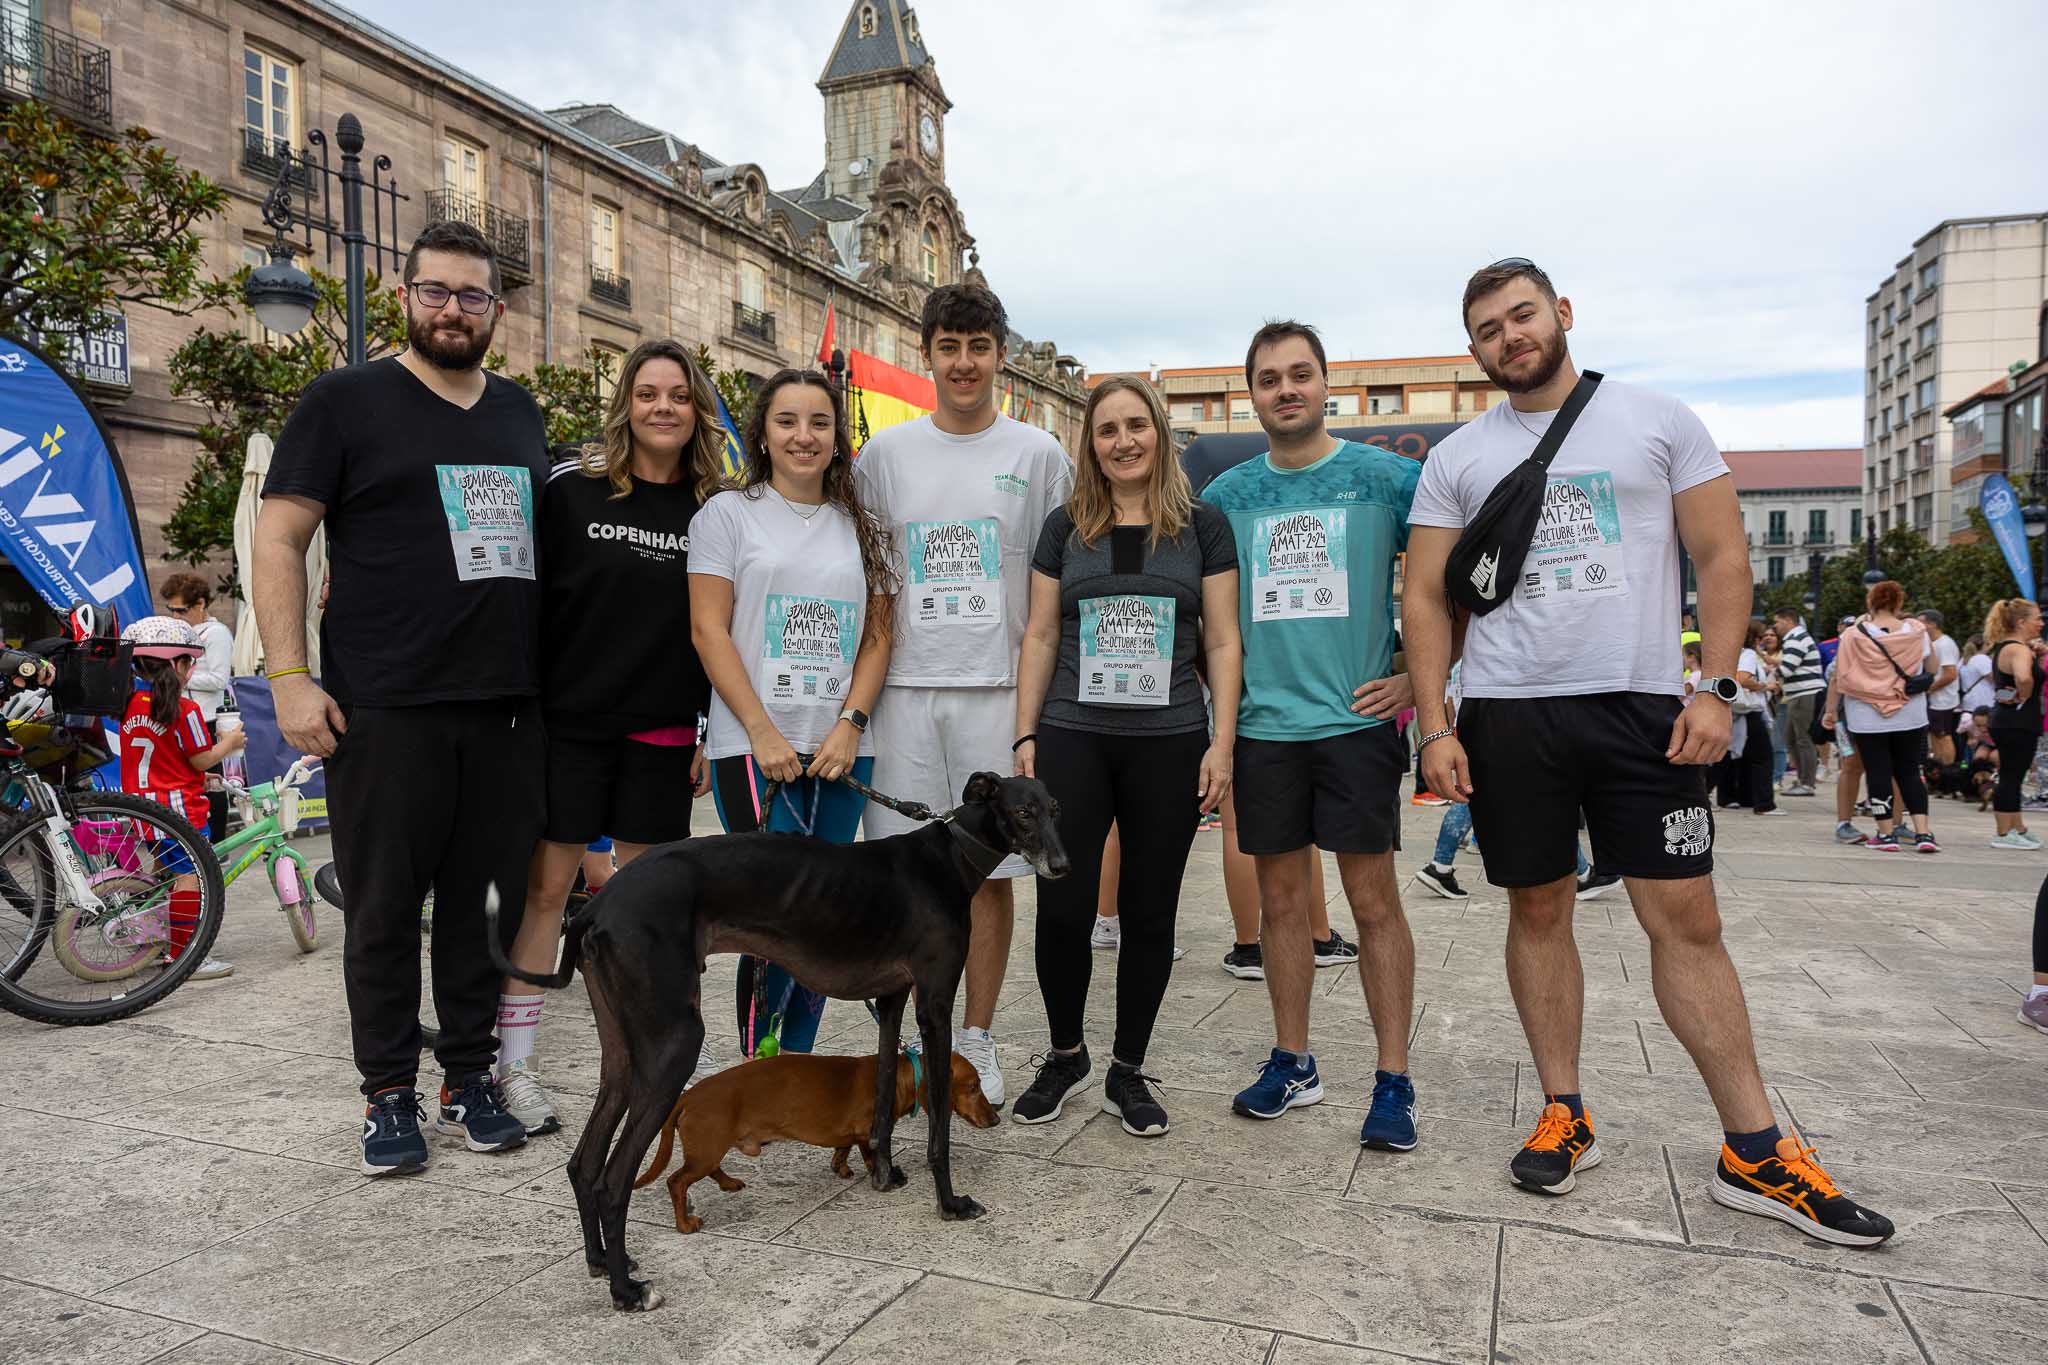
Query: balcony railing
x,y
752,322
507,233
1777,537
1819,538
264,157
73,77
606,287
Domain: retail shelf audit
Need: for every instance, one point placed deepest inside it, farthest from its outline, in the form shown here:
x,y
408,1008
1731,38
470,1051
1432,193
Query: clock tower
x,y
883,100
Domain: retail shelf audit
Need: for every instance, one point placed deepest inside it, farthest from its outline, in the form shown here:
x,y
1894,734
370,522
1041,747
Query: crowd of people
x,y
525,654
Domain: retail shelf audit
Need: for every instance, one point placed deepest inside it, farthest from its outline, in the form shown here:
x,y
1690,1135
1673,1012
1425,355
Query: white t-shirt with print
x,y
965,512
1947,654
1864,719
1596,608
799,603
1974,677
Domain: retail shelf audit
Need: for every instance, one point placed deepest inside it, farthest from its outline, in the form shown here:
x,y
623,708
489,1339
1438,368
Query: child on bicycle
x,y
165,747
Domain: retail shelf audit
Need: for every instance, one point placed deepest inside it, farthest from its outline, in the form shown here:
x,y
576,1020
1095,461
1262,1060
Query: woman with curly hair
x,y
790,592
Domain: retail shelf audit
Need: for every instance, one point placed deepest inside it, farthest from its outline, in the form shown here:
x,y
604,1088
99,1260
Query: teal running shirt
x,y
1315,574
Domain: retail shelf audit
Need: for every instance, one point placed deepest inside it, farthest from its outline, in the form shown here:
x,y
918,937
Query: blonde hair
x,y
2003,621
611,455
1169,500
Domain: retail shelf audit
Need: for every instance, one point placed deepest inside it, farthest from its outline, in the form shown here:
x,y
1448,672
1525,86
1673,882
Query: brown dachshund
x,y
793,1097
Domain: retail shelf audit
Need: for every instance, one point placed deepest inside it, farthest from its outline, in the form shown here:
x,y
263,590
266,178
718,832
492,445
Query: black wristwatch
x,y
1727,689
856,717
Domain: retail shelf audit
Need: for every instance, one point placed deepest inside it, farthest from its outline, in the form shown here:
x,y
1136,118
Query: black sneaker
x,y
1444,883
1060,1074
1334,951
474,1110
1595,884
1556,1152
1791,1187
392,1141
1127,1095
1245,962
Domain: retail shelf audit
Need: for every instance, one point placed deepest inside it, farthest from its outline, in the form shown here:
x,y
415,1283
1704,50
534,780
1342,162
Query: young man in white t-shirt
x,y
965,492
1945,698
1572,703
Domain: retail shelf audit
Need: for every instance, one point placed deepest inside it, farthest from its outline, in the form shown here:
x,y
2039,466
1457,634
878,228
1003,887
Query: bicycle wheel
x,y
133,851
295,898
327,881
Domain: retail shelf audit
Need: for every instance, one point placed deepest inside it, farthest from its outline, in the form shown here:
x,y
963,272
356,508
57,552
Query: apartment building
x,y
1797,505
1205,399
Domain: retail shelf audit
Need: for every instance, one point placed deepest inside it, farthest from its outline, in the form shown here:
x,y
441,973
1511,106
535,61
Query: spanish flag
x,y
735,460
884,396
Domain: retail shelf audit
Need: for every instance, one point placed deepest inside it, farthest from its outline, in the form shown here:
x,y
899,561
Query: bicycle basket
x,y
95,676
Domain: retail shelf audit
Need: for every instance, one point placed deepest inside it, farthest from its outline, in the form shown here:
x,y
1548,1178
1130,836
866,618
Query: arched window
x,y
867,21
931,255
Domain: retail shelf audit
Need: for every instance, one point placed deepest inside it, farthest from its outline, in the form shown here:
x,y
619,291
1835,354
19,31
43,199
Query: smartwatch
x,y
1727,689
856,717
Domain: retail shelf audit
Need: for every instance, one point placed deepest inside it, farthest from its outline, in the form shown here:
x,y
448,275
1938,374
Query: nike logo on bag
x,y
1483,574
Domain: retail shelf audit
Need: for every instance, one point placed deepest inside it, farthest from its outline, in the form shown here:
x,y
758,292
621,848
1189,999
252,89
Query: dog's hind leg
x,y
726,1182
679,1195
657,1080
934,1022
883,1173
586,1167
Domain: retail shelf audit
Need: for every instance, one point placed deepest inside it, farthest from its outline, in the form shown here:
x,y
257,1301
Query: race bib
x,y
1576,552
489,509
1126,650
956,571
807,649
1298,565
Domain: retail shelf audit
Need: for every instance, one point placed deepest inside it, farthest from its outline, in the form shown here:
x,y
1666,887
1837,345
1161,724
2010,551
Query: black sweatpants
x,y
1893,756
2041,929
2015,760
1145,784
449,795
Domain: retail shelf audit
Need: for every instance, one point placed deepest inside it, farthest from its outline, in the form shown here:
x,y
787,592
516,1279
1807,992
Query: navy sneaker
x,y
1281,1086
1390,1127
474,1110
392,1141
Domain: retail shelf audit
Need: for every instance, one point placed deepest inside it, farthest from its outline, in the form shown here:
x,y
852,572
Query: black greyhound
x,y
855,921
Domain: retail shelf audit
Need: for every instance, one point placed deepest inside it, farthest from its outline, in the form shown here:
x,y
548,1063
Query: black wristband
x,y
1023,740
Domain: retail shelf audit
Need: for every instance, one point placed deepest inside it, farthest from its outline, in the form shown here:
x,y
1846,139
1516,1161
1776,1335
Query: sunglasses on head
x,y
1519,263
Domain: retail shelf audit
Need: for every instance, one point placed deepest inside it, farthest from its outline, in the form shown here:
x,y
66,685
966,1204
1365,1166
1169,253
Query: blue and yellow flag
x,y
735,457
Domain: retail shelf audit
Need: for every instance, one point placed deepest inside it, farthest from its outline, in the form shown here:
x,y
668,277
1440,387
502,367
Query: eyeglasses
x,y
1519,263
437,295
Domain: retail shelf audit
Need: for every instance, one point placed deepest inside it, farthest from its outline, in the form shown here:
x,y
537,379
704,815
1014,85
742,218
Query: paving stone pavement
x,y
180,1187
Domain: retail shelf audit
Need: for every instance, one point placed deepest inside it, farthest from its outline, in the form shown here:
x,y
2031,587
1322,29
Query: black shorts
x,y
1341,794
1941,722
1537,762
623,788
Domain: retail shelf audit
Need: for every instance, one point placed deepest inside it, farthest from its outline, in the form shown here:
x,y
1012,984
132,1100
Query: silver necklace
x,y
804,517
1525,426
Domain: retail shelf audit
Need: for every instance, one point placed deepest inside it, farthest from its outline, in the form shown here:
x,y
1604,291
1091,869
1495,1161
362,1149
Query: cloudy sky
x,y
1717,186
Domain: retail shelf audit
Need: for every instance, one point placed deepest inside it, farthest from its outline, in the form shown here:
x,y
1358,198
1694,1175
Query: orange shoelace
x,y
1553,1129
1806,1168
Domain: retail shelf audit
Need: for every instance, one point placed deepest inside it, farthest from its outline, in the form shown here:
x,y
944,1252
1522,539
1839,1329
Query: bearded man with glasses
x,y
426,471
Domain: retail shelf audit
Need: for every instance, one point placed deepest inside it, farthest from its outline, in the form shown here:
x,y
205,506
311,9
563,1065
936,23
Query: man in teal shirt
x,y
1319,523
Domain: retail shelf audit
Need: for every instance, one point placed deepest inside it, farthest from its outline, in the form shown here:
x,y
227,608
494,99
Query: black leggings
x,y
2015,760
1146,785
2041,930
1893,756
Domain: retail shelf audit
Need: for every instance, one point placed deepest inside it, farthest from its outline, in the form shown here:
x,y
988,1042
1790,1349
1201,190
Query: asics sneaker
x,y
1791,1187
392,1142
1281,1086
1556,1152
473,1109
1390,1127
1335,951
1245,961
520,1082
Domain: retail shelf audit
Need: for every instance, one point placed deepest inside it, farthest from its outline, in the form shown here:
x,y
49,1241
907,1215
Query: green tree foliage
x,y
89,223
736,387
571,397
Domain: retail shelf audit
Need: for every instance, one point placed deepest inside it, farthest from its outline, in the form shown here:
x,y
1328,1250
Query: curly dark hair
x,y
875,538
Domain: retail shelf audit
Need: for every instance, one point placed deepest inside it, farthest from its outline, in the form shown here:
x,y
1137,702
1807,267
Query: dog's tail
x,y
572,945
660,1161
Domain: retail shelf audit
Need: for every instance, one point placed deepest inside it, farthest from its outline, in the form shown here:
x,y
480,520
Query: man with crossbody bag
x,y
1573,684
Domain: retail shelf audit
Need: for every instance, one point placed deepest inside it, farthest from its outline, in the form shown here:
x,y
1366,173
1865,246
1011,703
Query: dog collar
x,y
951,821
916,1081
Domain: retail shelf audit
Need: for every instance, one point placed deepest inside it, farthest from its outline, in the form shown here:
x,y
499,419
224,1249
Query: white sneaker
x,y
214,968
979,1048
1179,952
2015,839
1108,933
525,1099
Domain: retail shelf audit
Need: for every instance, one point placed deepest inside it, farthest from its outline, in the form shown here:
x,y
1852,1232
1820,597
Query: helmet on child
x,y
163,637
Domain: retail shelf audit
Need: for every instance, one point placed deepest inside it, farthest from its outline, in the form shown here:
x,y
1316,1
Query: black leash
x,y
915,810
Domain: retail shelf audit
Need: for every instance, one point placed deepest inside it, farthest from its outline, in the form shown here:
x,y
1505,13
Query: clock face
x,y
928,134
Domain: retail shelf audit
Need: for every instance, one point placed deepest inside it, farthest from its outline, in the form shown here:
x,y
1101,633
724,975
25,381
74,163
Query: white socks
x,y
518,1024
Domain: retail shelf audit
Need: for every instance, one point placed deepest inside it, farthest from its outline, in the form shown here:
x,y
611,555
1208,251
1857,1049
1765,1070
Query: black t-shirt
x,y
1118,597
432,534
615,616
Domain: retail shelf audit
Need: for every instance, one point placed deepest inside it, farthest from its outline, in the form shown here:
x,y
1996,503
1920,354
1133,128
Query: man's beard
x,y
443,351
1550,359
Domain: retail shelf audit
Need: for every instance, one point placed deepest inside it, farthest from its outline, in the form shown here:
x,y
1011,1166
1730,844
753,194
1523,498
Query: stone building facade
x,y
610,231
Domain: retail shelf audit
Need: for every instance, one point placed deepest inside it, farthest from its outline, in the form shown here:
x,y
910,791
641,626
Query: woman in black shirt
x,y
621,685
1130,581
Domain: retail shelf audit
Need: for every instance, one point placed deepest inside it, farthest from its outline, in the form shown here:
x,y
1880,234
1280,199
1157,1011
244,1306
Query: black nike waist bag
x,y
1487,560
